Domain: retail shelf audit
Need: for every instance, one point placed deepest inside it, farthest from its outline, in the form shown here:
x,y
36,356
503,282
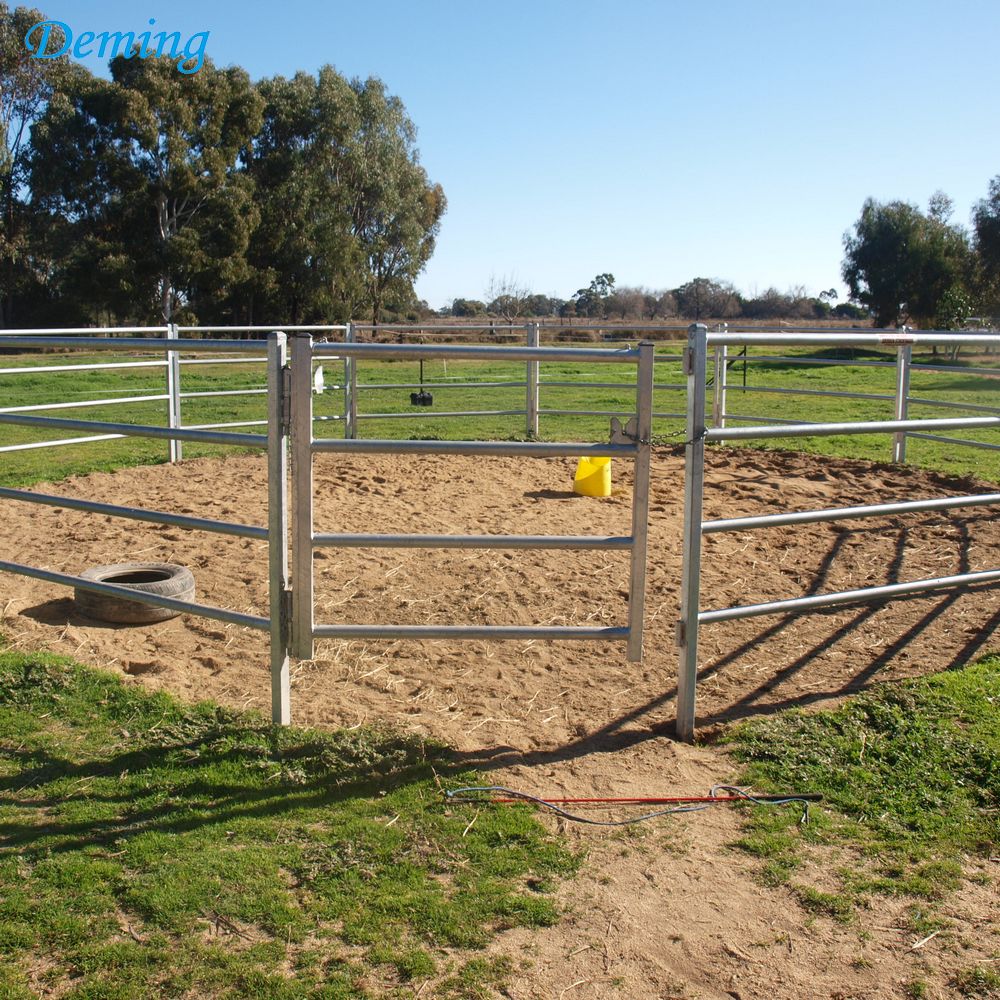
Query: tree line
x,y
921,268
698,299
158,196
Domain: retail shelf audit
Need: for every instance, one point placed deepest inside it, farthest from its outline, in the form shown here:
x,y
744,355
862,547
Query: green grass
x,y
910,775
24,467
978,982
149,848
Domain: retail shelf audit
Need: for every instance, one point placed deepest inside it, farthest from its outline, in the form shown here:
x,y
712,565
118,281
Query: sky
x,y
657,141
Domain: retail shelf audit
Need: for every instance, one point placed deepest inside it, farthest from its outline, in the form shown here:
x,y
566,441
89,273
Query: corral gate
x,y
698,434
290,419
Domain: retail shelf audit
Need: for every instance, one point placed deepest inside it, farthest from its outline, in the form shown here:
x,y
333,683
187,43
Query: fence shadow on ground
x,y
645,722
193,804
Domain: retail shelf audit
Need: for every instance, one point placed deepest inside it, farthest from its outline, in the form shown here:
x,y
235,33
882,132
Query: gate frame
x,y
698,434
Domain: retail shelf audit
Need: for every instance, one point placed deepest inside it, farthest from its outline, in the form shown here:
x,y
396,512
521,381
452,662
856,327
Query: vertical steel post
x,y
720,384
695,362
350,388
277,525
531,376
176,452
904,357
640,500
302,496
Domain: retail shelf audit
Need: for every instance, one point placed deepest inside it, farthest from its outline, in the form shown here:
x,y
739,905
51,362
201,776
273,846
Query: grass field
x,y
153,849
406,421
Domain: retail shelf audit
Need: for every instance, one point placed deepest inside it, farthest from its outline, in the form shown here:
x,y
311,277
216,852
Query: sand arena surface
x,y
675,912
481,696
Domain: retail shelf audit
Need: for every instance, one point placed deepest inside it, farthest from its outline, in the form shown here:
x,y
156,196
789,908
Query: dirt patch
x,y
571,718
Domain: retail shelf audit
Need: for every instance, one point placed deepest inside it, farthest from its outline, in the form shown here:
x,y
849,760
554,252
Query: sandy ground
x,y
674,913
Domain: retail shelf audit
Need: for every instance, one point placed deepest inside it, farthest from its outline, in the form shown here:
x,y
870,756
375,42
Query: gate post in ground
x,y
904,357
174,393
350,388
531,395
640,500
720,385
302,497
695,363
277,525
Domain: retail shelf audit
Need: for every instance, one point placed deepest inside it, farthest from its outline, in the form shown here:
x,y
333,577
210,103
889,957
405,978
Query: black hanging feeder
x,y
421,398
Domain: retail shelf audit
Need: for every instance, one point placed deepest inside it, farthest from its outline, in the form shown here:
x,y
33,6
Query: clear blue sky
x,y
659,141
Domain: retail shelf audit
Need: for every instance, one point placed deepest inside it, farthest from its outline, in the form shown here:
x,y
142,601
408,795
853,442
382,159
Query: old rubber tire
x,y
159,579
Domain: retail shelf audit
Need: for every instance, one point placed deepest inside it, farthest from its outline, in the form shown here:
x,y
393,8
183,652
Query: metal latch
x,y
629,434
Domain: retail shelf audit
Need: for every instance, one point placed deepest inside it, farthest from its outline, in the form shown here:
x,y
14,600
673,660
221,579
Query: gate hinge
x,y
286,395
681,634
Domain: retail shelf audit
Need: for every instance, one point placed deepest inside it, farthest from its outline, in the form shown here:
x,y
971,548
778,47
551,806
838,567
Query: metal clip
x,y
688,361
629,434
286,395
681,634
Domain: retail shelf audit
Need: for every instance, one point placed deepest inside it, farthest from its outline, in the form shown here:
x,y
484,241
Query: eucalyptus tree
x,y
901,263
26,86
348,217
986,230
143,175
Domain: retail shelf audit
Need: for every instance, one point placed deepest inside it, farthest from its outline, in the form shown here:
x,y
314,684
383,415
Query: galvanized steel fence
x,y
290,419
698,434
290,433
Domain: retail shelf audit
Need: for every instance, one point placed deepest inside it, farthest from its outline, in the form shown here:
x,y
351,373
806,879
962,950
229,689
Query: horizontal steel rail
x,y
418,328
860,427
509,449
605,413
49,332
466,632
438,385
958,369
111,590
216,361
866,595
845,513
149,345
731,387
231,423
427,414
261,329
222,392
473,541
948,404
136,513
774,420
83,403
781,359
852,339
31,445
474,352
959,441
137,430
542,411
544,383
45,369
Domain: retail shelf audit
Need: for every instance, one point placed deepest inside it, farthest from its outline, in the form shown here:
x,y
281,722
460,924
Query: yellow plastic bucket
x,y
593,477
